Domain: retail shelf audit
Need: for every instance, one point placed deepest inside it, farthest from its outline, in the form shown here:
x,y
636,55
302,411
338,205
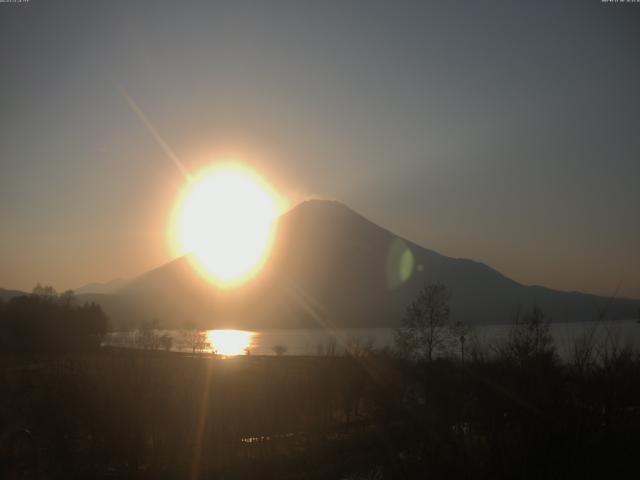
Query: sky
x,y
502,131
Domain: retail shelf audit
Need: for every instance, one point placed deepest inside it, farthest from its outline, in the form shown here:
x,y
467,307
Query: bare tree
x,y
529,338
44,291
358,346
195,339
146,336
424,326
327,348
166,341
280,350
589,348
67,298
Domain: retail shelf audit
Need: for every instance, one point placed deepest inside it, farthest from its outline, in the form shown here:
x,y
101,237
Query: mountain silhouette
x,y
96,287
331,267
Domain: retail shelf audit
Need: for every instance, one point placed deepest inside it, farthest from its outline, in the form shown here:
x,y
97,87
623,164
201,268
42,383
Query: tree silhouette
x,y
46,321
280,350
195,339
424,326
529,338
166,341
146,336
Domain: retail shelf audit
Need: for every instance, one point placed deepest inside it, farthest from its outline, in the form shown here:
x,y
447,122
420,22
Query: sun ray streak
x,y
201,423
315,310
308,304
154,133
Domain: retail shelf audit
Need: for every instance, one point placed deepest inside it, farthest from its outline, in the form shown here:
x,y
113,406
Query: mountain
x,y
101,288
332,267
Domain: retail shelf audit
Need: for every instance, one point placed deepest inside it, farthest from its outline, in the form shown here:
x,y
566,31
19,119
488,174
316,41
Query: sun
x,y
226,223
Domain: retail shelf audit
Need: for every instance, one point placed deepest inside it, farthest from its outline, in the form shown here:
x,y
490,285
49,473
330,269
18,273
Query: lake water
x,y
319,342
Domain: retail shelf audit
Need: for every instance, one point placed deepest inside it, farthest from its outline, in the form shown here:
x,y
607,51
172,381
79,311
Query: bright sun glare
x,y
230,342
226,222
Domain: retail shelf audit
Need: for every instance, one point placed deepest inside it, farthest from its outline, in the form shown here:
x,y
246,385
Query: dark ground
x,y
116,413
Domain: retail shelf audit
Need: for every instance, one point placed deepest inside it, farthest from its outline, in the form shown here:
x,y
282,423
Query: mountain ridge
x,y
101,287
331,267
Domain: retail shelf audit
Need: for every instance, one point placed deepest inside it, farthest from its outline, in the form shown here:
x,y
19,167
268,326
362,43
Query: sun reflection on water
x,y
230,342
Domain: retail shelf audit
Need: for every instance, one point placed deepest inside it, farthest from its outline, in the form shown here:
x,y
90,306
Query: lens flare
x,y
226,222
400,263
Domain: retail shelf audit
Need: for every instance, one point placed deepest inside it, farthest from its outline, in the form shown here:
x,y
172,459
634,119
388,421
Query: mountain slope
x,y
101,288
332,267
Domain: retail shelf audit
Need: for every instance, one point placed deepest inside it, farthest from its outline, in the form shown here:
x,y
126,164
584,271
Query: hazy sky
x,y
502,131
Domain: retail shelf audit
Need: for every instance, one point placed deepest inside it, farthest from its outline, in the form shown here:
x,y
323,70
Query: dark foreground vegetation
x,y
507,411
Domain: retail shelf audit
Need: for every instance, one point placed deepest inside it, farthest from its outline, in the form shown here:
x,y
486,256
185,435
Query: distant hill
x,y
332,267
9,294
102,288
117,307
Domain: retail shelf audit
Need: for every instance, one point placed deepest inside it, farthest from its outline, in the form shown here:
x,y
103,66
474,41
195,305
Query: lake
x,y
320,342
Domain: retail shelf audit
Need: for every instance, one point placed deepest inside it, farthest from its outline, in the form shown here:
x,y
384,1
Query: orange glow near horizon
x,y
225,221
